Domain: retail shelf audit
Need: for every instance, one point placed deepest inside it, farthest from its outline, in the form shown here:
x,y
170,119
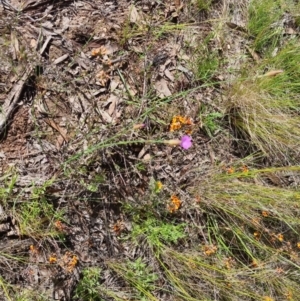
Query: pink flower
x,y
186,142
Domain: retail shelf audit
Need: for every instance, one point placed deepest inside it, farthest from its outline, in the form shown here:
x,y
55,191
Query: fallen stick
x,y
12,100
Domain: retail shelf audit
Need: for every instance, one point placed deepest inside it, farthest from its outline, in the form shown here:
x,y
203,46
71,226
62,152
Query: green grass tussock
x,y
265,109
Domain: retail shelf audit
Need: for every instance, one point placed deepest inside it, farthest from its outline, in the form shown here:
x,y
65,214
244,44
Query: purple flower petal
x,y
186,142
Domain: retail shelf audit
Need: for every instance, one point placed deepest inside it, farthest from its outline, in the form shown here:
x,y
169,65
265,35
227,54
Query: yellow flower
x,y
280,237
257,234
158,186
178,121
298,245
230,170
245,169
209,250
52,259
72,263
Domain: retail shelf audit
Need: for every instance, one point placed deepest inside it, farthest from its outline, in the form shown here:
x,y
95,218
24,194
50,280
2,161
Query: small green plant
x,y
158,232
8,180
141,275
210,123
88,286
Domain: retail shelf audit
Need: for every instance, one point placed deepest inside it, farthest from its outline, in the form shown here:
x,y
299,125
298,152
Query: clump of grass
x,y
263,24
37,216
207,60
265,109
250,241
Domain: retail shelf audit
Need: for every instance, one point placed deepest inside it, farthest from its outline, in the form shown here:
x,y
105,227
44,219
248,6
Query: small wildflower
x,y
72,263
52,259
265,213
175,204
230,170
257,235
158,186
102,77
118,227
186,142
33,249
68,261
280,237
99,51
58,225
209,249
279,270
179,121
245,169
298,245
229,262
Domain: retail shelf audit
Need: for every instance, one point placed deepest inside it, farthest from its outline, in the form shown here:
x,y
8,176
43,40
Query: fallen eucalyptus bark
x,y
12,100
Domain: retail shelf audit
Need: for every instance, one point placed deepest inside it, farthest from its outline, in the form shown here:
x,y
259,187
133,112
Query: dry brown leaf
x,y
106,117
59,142
162,88
33,43
114,83
169,75
254,55
134,16
290,30
15,47
147,158
55,126
236,26
113,102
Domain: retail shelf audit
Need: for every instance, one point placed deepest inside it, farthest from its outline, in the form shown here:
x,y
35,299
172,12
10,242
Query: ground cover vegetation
x,y
150,150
